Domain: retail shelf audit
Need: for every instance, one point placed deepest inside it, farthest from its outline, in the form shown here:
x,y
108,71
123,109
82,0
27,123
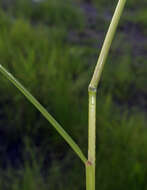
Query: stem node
x,y
90,164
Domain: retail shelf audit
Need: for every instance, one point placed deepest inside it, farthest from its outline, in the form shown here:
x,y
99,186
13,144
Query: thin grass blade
x,y
44,112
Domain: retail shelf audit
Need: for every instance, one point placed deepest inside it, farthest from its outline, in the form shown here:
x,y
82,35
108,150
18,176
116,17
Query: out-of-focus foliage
x,y
52,48
50,12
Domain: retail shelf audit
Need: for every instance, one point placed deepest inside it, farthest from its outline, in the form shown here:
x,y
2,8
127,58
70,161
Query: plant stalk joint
x,y
92,88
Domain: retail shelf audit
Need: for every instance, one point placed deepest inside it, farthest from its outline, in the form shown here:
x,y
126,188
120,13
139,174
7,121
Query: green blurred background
x,y
52,46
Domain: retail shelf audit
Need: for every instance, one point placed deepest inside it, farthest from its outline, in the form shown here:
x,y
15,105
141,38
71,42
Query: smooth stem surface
x,y
45,113
90,165
90,176
107,43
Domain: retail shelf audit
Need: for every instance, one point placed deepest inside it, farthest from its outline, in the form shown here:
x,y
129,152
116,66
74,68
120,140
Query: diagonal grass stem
x,y
107,43
45,113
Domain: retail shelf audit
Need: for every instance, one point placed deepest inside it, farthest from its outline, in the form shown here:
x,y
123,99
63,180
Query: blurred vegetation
x,y
52,48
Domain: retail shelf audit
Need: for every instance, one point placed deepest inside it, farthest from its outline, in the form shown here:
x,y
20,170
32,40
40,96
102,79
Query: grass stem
x,y
90,166
107,43
45,113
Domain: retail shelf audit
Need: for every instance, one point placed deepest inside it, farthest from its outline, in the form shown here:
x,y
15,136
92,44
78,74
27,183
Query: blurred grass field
x,y
52,48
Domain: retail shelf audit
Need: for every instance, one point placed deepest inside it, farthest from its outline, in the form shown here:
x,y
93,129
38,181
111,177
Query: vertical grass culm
x,y
90,162
90,166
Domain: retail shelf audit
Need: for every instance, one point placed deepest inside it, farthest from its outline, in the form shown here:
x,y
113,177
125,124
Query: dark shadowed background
x,y
52,46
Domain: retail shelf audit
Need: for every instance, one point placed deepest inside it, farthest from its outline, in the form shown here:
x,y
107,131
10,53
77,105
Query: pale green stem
x,y
90,165
45,113
107,43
